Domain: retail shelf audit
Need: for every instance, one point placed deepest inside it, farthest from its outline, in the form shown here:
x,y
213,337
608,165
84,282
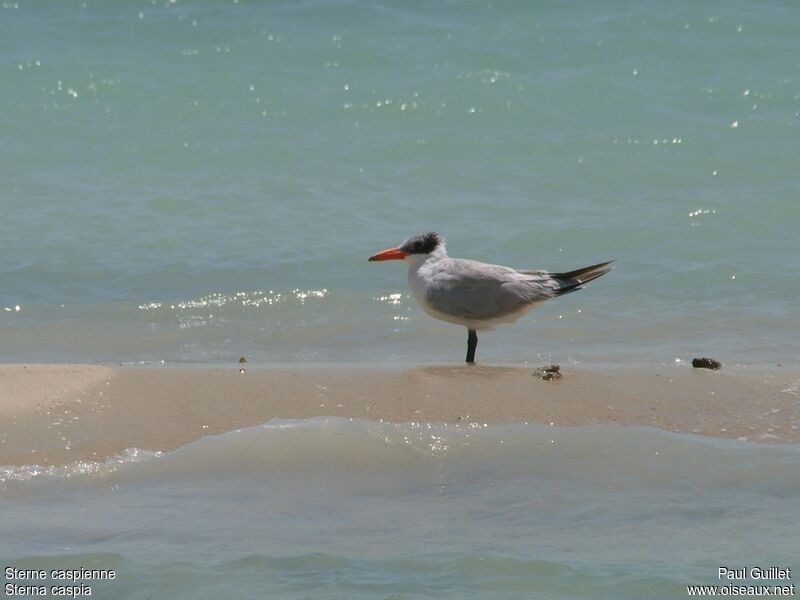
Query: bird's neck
x,y
415,261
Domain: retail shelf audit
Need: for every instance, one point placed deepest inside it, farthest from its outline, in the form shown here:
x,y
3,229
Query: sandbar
x,y
57,414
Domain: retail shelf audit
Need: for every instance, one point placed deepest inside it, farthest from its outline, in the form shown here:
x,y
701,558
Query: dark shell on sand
x,y
548,373
706,363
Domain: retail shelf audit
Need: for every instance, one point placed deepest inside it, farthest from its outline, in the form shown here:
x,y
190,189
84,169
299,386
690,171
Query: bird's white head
x,y
415,250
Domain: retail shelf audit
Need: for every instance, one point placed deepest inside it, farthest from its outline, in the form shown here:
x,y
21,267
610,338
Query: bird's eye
x,y
418,245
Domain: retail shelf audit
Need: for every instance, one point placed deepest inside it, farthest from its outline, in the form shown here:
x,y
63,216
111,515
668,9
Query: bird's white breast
x,y
421,272
418,282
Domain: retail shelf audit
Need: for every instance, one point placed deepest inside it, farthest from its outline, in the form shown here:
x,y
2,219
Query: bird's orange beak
x,y
389,254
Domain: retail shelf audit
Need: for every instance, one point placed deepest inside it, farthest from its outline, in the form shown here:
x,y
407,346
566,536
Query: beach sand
x,y
56,414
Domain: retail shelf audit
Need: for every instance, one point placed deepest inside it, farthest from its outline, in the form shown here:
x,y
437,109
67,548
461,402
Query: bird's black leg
x,y
472,343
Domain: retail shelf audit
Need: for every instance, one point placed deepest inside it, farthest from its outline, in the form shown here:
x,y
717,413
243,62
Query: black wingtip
x,y
593,271
575,280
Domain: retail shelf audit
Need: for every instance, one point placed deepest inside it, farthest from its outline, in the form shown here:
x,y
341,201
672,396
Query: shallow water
x,y
333,508
190,182
158,153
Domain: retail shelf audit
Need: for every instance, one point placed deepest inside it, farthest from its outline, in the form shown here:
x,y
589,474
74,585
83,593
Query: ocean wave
x,y
76,469
330,507
303,447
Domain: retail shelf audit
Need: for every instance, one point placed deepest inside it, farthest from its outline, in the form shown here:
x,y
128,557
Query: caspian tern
x,y
475,294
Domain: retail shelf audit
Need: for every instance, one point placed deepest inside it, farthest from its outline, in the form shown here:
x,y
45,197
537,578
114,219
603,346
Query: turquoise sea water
x,y
194,181
332,508
177,176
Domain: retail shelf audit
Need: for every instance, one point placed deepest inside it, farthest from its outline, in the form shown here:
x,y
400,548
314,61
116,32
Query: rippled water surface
x,y
332,508
158,156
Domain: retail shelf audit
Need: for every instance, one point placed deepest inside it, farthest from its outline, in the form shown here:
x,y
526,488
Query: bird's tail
x,y
575,280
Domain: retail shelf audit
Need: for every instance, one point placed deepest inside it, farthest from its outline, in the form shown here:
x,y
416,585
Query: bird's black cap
x,y
422,243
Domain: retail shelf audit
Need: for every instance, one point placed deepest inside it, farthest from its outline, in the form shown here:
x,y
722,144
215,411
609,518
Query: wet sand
x,y
56,414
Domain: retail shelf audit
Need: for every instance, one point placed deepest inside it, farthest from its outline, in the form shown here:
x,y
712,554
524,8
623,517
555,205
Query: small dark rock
x,y
243,360
706,363
548,373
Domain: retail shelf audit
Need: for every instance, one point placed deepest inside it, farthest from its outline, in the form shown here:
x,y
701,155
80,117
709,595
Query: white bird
x,y
475,294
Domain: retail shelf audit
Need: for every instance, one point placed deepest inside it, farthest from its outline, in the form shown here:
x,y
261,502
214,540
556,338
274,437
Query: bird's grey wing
x,y
475,290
